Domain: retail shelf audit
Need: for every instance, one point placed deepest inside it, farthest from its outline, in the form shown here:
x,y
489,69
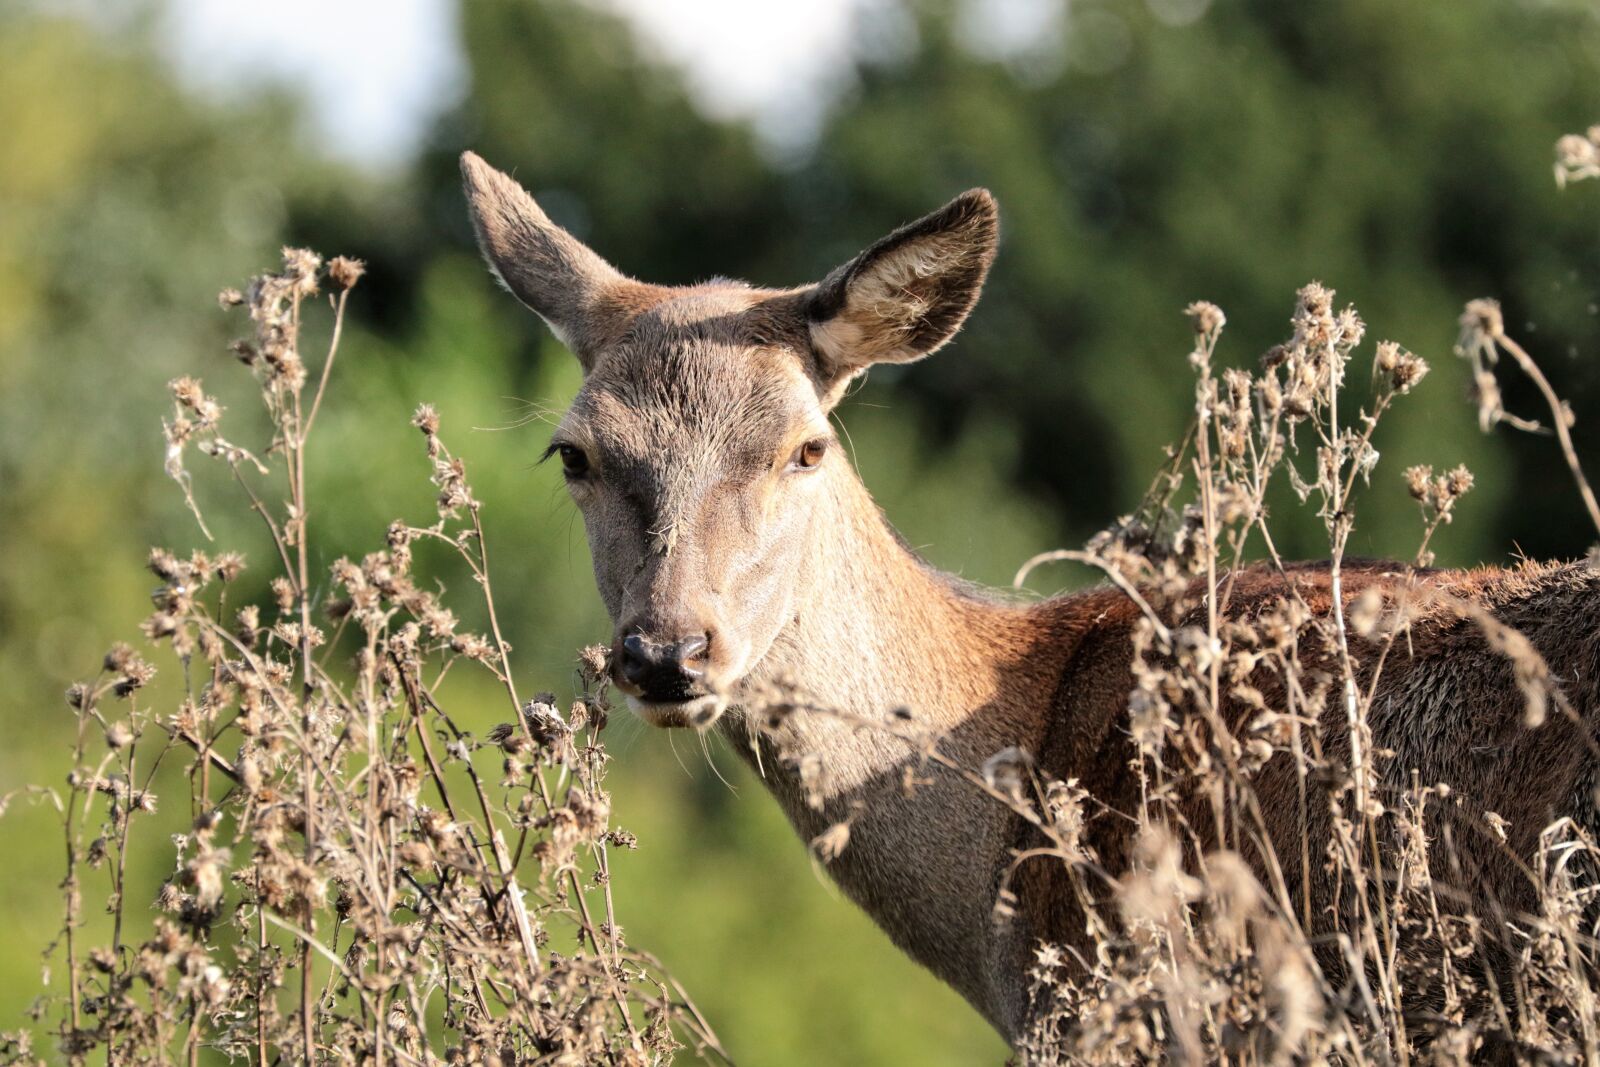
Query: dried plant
x,y
1205,957
363,881
350,840
1198,951
1209,959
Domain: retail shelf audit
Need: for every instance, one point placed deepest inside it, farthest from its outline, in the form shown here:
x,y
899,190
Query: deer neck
x,y
874,631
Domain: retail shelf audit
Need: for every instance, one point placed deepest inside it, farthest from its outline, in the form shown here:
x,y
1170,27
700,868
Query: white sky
x,y
375,72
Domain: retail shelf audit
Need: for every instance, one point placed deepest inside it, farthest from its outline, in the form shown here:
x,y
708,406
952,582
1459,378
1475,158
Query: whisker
x,y
850,443
673,744
537,411
705,750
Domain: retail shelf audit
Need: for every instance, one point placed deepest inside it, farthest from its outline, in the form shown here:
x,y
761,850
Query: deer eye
x,y
808,455
573,461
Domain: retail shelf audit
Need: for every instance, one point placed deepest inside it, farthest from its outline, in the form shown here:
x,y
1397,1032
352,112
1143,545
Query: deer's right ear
x,y
908,294
544,266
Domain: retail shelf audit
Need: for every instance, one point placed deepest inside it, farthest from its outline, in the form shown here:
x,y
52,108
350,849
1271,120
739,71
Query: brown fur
x,y
1446,705
694,400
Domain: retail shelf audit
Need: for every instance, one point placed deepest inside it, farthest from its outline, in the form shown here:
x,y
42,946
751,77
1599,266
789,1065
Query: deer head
x,y
699,448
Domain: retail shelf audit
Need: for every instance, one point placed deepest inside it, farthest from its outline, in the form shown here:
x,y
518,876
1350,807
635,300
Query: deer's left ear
x,y
908,294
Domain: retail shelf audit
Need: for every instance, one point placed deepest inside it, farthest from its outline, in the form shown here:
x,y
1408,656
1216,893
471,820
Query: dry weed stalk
x,y
1204,961
1201,953
363,881
1483,338
1198,951
312,842
1201,962
1201,959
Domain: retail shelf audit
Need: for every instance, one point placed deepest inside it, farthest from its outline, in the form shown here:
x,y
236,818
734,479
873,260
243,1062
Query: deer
x,y
736,550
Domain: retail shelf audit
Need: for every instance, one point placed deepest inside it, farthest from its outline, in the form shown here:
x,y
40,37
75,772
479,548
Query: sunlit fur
x,y
692,402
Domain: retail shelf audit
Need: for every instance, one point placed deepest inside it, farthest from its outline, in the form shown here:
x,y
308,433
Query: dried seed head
x,y
594,664
472,646
118,657
427,420
229,566
1351,329
578,717
135,676
344,271
1483,317
1498,823
831,843
300,267
250,775
1400,369
247,624
1206,317
1578,156
1418,479
1365,613
508,737
159,626
186,391
1438,495
205,875
544,722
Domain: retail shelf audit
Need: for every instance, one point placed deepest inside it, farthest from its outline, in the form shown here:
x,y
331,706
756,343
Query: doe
x,y
738,553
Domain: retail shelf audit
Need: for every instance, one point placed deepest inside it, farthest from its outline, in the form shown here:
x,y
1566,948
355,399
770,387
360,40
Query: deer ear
x,y
544,266
908,294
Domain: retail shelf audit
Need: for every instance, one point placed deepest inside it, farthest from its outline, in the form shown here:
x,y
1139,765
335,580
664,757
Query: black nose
x,y
664,671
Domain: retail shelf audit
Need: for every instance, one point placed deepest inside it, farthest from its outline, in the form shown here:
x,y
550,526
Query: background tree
x,y
1145,153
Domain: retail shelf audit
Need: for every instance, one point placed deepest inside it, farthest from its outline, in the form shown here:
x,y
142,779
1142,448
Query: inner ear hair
x,y
581,296
908,294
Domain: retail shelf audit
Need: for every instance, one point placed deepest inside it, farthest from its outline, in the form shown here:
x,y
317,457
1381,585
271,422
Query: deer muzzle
x,y
663,671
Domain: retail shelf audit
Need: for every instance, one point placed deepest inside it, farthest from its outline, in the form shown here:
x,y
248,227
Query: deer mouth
x,y
697,712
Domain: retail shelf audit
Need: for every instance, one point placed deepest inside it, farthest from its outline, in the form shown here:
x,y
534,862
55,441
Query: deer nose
x,y
664,671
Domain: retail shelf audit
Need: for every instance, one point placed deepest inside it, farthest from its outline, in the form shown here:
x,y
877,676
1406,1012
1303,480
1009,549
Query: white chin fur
x,y
700,712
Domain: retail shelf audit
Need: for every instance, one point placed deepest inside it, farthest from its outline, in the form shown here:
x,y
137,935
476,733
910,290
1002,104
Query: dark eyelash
x,y
552,449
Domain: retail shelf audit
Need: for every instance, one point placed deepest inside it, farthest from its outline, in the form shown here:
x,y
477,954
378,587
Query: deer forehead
x,y
684,395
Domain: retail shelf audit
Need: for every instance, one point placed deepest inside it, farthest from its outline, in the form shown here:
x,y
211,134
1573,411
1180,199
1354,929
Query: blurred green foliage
x,y
1160,152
